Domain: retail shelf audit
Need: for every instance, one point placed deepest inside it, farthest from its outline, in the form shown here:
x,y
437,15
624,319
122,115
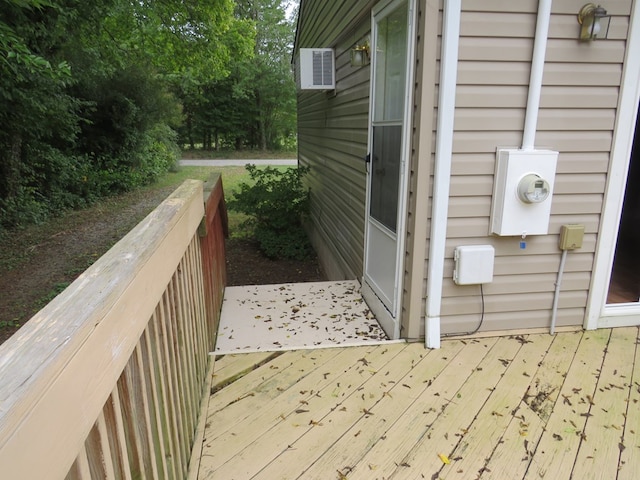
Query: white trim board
x,y
598,314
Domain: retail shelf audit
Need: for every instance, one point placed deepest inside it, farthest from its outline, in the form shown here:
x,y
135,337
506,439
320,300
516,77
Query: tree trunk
x,y
10,169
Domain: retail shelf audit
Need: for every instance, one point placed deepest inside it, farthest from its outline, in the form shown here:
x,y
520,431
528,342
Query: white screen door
x,y
388,159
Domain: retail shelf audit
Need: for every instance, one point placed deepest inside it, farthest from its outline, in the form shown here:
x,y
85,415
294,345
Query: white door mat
x,y
261,318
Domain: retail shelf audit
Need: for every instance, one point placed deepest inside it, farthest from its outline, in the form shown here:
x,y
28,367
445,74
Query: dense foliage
x,y
94,94
277,203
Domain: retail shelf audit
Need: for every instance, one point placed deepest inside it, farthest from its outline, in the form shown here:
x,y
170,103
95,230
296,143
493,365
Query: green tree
x,y
88,93
255,106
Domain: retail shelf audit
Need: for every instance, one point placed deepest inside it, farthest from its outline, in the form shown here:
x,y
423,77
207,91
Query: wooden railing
x,y
107,380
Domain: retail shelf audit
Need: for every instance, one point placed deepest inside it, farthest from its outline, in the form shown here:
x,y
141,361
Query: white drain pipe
x,y
535,79
442,172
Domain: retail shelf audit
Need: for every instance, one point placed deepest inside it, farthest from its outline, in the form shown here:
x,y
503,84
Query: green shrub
x,y
276,202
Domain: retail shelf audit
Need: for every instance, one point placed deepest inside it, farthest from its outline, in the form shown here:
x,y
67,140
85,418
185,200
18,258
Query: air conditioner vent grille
x,y
317,69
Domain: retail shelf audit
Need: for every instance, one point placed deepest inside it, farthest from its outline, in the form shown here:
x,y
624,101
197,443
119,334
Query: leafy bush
x,y
276,202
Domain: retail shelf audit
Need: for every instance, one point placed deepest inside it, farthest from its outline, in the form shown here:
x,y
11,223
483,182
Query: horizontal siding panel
x,y
483,142
591,222
568,163
534,318
471,185
489,119
576,204
327,147
496,6
517,284
342,247
330,21
574,119
348,170
497,119
469,206
491,96
614,7
579,97
512,303
510,246
353,121
512,266
583,162
582,74
473,164
530,264
580,183
479,227
618,28
598,141
497,24
472,72
571,51
496,49
347,135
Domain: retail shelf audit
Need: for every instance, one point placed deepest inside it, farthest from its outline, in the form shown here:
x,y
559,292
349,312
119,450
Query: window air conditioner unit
x,y
317,69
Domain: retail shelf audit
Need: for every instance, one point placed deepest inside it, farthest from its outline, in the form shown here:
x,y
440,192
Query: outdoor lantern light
x,y
360,55
594,22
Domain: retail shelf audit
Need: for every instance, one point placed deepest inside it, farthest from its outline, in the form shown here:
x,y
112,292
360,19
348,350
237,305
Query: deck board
x,y
630,456
512,454
560,441
526,406
603,433
480,439
368,430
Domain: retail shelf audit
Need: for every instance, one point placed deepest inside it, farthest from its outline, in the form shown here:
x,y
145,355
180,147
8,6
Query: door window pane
x,y
385,174
390,75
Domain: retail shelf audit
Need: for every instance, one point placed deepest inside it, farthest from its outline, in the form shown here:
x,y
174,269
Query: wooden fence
x,y
107,380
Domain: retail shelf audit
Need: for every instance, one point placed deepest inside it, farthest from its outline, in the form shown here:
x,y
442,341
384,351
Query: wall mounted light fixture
x,y
360,55
594,22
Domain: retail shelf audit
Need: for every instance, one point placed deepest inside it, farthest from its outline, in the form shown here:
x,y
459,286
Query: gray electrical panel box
x,y
571,237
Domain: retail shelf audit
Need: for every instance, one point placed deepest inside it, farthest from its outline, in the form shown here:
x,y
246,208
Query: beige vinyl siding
x,y
332,136
577,117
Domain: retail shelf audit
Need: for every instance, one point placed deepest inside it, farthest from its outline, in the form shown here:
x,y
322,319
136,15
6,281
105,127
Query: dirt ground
x,y
37,262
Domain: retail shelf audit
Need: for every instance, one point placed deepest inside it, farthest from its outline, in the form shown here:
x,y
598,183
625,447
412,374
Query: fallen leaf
x,y
444,458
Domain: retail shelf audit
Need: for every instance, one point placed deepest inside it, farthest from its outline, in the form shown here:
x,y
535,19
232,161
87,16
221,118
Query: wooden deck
x,y
527,406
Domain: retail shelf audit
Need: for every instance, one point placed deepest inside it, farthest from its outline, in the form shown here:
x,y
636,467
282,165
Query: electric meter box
x,y
522,192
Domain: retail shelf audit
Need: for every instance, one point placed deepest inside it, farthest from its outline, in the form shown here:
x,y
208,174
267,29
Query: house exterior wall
x,y
332,135
577,117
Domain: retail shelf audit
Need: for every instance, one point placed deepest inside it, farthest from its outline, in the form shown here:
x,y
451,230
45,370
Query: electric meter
x,y
533,188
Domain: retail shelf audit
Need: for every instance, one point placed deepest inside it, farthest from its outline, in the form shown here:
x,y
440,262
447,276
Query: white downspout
x,y
535,80
442,172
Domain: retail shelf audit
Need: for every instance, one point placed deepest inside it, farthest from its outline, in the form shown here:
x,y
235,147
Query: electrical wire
x,y
448,335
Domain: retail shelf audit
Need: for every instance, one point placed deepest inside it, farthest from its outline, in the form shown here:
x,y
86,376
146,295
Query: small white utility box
x,y
473,264
522,192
